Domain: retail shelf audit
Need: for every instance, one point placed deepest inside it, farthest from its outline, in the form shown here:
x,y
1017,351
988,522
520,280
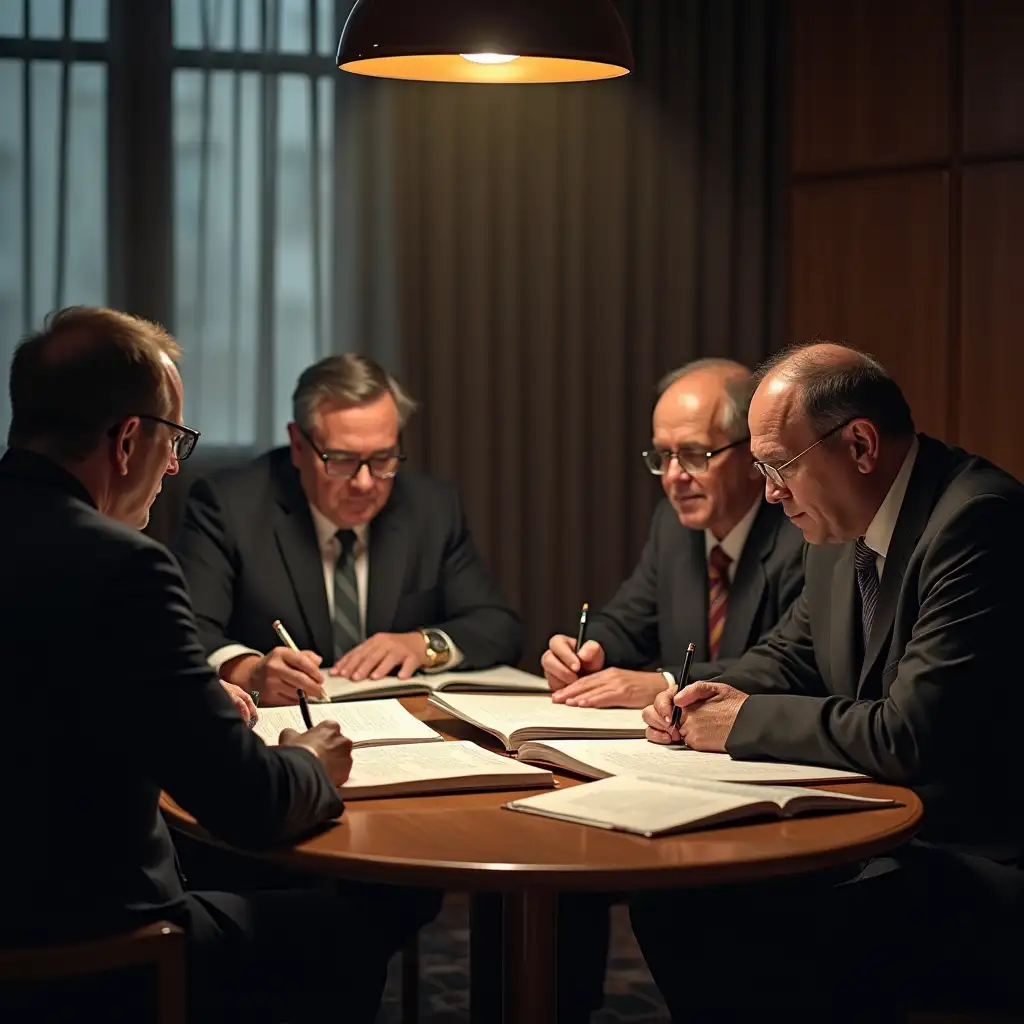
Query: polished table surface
x,y
467,841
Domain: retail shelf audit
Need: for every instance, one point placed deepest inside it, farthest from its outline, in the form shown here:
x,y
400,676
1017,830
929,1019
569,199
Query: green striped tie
x,y
347,633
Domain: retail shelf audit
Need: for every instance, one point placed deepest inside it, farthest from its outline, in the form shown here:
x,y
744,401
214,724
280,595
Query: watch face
x,y
436,642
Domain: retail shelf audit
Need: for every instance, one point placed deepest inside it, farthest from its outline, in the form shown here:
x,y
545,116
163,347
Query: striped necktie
x,y
718,597
865,563
347,633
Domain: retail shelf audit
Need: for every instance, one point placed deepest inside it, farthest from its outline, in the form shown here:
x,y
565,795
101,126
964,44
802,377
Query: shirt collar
x,y
326,531
732,543
878,535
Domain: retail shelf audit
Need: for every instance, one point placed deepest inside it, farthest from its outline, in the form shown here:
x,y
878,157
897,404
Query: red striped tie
x,y
718,597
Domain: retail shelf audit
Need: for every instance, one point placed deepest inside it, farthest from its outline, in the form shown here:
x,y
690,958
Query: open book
x,y
598,759
371,723
649,805
516,719
437,768
490,680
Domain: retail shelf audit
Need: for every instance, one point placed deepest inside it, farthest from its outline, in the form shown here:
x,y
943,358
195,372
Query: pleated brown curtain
x,y
558,248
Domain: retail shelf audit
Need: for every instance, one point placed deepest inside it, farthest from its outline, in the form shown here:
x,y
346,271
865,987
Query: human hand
x,y
327,743
561,664
279,675
242,701
378,656
658,718
709,713
612,688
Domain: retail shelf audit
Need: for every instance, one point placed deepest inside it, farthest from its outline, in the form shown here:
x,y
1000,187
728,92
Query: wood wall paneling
x,y
993,76
870,83
869,266
992,348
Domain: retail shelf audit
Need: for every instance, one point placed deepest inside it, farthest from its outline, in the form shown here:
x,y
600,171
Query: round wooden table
x,y
468,842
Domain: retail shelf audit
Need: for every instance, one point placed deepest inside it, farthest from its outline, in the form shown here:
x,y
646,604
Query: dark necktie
x,y
718,597
347,633
865,563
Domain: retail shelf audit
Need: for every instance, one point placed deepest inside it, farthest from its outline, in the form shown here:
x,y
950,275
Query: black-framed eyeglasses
x,y
690,460
183,441
774,473
383,465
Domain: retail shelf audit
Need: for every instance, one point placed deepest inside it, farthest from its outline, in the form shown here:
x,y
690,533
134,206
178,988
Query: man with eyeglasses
x,y
720,565
108,700
897,661
371,568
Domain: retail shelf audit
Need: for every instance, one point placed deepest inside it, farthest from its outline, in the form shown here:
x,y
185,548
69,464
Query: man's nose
x,y
674,470
363,480
773,492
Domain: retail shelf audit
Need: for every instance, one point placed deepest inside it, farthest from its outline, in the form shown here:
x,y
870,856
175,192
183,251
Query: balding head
x,y
832,384
702,409
833,424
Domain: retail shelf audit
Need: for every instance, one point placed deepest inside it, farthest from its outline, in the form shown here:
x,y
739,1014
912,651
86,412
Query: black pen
x,y
684,678
255,694
304,709
581,634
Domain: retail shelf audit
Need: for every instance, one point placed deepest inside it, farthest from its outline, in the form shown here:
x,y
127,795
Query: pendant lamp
x,y
496,41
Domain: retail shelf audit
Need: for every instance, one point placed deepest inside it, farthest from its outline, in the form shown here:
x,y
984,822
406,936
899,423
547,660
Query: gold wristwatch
x,y
438,651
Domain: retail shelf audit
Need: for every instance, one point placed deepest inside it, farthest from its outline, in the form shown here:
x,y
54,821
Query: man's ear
x,y
124,441
294,442
864,439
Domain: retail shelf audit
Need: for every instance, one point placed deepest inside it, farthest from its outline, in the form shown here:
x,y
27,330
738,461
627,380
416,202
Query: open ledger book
x,y
649,805
490,680
598,759
516,719
371,723
437,768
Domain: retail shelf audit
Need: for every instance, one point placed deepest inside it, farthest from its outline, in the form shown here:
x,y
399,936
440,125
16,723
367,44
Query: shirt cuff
x,y
455,655
224,654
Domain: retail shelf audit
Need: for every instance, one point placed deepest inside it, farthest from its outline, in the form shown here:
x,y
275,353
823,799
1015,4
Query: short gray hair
x,y
349,380
739,389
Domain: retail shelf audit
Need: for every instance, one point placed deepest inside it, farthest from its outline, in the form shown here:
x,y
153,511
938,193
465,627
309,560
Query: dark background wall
x,y
906,202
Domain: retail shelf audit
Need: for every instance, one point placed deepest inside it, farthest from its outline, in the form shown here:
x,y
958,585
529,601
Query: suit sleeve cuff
x,y
455,655
224,654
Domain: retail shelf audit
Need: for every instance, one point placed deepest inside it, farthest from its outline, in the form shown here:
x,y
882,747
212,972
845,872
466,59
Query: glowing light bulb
x,y
490,58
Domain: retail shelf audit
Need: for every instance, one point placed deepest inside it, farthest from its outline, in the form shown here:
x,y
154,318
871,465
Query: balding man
x,y
720,566
897,660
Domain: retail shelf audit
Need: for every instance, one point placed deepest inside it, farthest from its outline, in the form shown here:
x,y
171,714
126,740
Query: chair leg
x,y
411,982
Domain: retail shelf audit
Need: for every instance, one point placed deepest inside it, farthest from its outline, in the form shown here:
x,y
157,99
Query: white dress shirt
x,y
878,535
330,551
732,543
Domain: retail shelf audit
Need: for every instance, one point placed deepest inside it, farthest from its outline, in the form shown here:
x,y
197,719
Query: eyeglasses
x,y
183,443
690,460
382,465
774,473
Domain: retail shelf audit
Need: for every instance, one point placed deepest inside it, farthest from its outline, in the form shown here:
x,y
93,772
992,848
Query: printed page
x,y
379,766
538,713
638,757
646,807
502,677
337,688
368,722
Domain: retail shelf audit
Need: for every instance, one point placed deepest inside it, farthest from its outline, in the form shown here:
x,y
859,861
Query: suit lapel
x,y
844,631
389,551
918,502
692,570
749,583
296,539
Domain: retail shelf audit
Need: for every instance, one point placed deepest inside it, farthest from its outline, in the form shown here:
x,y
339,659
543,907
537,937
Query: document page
x,y
370,722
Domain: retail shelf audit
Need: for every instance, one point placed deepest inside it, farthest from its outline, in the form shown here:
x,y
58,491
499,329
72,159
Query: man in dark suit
x,y
109,700
371,570
896,661
720,567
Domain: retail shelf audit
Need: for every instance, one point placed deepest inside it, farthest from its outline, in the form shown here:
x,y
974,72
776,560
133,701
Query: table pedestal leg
x,y
485,944
530,957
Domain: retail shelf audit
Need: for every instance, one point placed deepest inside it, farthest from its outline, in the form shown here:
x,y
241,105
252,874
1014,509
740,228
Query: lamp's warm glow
x,y
490,58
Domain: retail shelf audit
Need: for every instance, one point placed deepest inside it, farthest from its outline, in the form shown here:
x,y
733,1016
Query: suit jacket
x,y
935,701
663,606
107,701
248,548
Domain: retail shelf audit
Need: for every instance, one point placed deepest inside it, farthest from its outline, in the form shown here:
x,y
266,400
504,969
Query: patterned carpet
x,y
630,994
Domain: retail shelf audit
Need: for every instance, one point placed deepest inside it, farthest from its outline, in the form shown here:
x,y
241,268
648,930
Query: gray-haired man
x,y
720,567
371,570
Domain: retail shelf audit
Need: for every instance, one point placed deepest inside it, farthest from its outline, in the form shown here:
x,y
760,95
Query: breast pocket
x,y
421,608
